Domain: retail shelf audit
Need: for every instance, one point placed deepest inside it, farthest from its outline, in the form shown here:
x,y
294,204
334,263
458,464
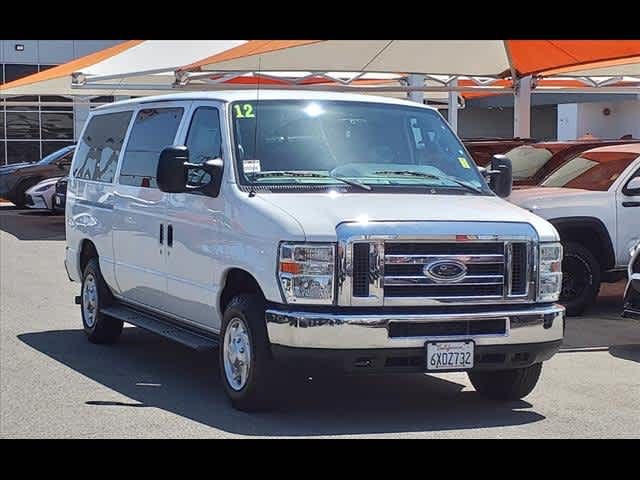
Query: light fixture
x,y
19,47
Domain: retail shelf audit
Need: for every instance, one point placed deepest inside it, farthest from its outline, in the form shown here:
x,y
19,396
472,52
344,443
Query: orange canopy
x,y
455,57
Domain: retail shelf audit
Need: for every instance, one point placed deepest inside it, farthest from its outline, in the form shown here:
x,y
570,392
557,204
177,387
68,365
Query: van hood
x,y
320,213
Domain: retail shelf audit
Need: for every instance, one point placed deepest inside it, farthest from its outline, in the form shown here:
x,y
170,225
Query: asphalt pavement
x,y
54,383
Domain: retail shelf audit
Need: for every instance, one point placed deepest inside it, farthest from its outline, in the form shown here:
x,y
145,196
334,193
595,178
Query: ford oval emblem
x,y
445,271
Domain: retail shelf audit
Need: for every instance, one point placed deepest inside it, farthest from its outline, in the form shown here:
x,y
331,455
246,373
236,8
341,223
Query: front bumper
x,y
59,201
36,201
302,329
411,360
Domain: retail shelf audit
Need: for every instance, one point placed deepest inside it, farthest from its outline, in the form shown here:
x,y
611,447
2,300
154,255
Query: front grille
x,y
405,262
491,270
444,291
518,268
361,269
437,329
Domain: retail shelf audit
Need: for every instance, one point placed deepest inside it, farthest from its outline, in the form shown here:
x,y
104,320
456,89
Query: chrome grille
x,y
392,263
404,263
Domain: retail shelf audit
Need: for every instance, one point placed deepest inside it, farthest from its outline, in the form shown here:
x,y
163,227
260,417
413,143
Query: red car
x,y
533,162
483,149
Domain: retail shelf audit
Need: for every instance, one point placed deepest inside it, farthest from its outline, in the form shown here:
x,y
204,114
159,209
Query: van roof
x,y
266,94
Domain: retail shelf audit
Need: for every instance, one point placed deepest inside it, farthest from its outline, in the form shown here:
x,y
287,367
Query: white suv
x,y
310,230
593,201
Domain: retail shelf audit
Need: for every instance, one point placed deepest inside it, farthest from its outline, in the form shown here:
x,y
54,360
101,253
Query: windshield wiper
x,y
410,173
302,173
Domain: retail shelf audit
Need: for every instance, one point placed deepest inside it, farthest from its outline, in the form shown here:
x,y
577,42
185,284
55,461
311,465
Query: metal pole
x,y
522,108
415,80
452,111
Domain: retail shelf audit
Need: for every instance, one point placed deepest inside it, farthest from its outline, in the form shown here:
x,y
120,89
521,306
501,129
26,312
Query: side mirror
x,y
501,175
172,171
632,187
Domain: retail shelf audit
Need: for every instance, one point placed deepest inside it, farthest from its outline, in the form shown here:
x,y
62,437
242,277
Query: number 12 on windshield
x,y
244,111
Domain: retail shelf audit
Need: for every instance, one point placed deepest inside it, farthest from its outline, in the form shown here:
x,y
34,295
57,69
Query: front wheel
x,y
506,384
246,365
580,279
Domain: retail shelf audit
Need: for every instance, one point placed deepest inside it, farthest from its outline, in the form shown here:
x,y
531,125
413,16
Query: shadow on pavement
x,y
153,372
602,328
31,224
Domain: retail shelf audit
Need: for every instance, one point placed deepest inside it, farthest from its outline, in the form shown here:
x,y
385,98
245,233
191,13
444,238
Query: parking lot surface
x,y
53,383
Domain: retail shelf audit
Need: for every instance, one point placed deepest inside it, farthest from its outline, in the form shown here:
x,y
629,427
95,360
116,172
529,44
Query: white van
x,y
309,229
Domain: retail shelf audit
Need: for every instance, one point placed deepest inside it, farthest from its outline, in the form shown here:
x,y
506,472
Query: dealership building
x,y
34,126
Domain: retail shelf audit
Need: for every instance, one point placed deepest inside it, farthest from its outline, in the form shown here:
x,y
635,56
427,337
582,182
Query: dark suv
x,y
17,178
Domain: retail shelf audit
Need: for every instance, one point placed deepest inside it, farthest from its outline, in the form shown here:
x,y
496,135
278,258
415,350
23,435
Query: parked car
x,y
347,231
535,161
483,149
60,195
40,196
593,201
17,178
632,292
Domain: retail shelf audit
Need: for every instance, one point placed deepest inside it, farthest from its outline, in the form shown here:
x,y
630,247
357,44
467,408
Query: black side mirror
x,y
501,175
173,172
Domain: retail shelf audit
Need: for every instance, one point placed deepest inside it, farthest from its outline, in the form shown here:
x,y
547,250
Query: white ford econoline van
x,y
309,229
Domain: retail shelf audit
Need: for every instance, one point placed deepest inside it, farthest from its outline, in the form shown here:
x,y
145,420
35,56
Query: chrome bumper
x,y
344,331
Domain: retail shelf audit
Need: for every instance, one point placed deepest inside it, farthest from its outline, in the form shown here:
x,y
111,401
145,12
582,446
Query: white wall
x,y
576,120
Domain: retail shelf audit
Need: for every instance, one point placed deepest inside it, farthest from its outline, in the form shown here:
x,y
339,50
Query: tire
x,y
19,198
95,295
506,385
581,278
253,387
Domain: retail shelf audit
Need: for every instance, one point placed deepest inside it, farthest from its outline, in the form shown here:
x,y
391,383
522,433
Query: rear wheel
x,y
98,327
506,384
580,278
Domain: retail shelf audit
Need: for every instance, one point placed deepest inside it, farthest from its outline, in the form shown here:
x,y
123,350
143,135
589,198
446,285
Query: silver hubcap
x,y
89,300
236,353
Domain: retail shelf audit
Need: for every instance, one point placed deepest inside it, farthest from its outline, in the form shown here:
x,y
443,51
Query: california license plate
x,y
449,355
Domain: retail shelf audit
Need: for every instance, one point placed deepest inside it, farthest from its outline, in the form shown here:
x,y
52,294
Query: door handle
x,y
161,234
631,204
170,235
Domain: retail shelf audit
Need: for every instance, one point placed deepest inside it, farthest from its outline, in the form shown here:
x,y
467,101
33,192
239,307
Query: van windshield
x,y
368,145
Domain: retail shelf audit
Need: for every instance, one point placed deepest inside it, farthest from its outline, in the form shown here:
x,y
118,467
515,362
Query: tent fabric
x,y
149,63
451,57
624,66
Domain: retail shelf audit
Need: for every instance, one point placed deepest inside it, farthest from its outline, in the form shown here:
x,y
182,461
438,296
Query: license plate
x,y
449,355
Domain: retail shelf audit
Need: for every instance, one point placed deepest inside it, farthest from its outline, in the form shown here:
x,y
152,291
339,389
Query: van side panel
x,y
90,190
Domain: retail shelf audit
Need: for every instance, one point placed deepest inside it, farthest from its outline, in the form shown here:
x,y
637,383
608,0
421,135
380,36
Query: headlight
x,y
306,272
550,272
43,188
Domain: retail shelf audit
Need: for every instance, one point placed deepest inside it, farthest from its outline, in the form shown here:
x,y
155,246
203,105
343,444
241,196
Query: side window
x,y
99,147
203,142
153,130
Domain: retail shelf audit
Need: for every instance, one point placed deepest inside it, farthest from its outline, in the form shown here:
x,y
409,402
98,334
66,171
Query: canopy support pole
x,y
452,111
415,80
522,108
